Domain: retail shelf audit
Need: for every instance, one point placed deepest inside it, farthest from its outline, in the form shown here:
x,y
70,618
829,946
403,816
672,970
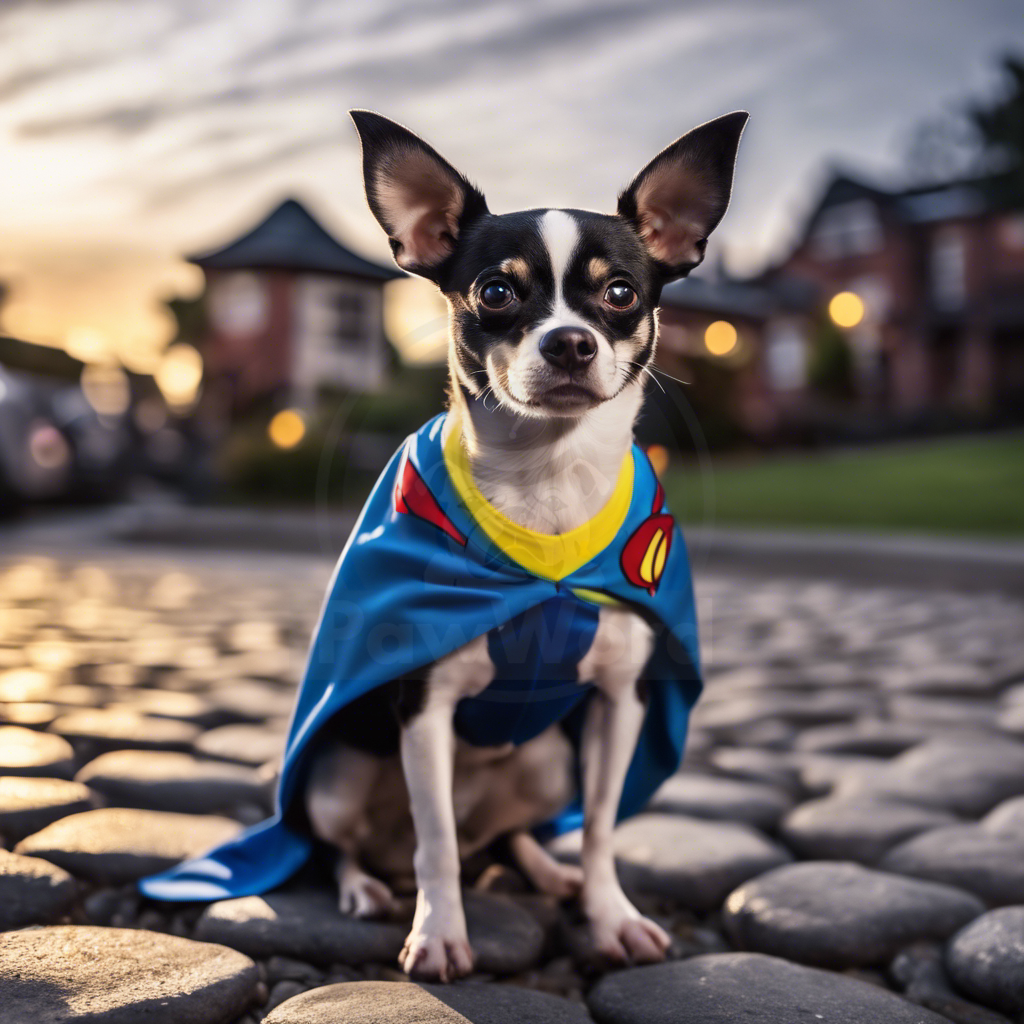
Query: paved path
x,y
845,839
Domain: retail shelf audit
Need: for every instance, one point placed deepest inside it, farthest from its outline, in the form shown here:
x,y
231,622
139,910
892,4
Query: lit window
x,y
786,356
947,269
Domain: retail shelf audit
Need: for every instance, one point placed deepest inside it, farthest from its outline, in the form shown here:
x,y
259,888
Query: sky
x,y
132,133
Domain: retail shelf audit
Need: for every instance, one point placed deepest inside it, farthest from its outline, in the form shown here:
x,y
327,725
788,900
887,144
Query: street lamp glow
x,y
720,338
286,429
179,374
846,309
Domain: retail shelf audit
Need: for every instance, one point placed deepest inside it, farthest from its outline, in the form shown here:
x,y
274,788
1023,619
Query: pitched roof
x,y
966,196
290,238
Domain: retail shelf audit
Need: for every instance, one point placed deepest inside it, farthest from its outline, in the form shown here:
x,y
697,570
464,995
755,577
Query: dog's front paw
x,y
429,956
621,934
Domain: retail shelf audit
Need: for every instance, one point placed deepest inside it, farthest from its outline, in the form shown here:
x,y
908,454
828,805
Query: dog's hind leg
x,y
547,874
339,787
360,894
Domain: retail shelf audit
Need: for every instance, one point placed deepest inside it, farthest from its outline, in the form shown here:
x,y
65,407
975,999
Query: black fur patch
x,y
491,242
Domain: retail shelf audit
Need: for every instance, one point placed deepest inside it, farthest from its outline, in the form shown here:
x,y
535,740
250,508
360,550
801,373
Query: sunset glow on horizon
x,y
134,135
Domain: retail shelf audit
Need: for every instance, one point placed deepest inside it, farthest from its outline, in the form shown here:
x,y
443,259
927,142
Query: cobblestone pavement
x,y
845,841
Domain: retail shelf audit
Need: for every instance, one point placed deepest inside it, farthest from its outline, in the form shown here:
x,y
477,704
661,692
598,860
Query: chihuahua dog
x,y
553,323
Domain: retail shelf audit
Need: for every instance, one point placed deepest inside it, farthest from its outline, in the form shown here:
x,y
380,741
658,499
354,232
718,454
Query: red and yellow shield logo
x,y
644,556
645,553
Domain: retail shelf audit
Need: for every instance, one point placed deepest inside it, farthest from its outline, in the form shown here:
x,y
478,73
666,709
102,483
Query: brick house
x,y
290,311
747,340
940,270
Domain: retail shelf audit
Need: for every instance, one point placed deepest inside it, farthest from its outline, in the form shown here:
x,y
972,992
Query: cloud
x,y
166,122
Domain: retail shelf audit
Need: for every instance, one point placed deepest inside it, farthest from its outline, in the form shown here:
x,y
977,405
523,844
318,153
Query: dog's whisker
x,y
678,380
647,370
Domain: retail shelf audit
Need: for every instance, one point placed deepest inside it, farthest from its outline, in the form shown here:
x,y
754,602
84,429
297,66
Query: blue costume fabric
x,y
420,578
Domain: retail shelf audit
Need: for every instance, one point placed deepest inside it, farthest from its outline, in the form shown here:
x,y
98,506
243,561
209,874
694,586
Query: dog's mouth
x,y
569,394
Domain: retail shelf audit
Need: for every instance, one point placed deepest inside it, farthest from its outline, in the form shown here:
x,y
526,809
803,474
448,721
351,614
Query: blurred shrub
x,y
349,438
831,370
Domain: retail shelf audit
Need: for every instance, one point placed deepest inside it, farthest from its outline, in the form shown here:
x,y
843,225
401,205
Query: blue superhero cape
x,y
429,566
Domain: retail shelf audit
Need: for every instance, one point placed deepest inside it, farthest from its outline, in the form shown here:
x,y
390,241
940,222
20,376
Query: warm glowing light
x,y
179,374
416,320
658,454
106,389
846,309
286,429
87,344
720,338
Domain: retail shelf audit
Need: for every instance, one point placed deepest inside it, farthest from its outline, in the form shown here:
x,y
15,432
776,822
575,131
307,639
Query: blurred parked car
x,y
54,445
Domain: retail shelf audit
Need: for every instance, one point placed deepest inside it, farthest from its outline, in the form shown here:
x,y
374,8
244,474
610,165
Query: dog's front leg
x,y
438,944
614,718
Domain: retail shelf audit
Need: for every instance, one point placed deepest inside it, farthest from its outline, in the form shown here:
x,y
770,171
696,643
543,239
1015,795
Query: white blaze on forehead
x,y
561,236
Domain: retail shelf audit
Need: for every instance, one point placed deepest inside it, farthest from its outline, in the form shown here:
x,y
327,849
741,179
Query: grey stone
x,y
98,729
986,959
284,968
32,891
921,975
724,988
373,1002
27,684
189,707
823,773
966,778
1011,720
697,863
869,737
944,711
283,991
251,700
989,864
772,767
165,780
724,717
1007,817
63,974
842,915
34,715
858,829
118,844
506,938
709,796
946,680
29,803
305,925
244,744
26,752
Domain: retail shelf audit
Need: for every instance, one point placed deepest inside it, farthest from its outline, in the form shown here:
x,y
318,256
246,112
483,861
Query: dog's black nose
x,y
569,348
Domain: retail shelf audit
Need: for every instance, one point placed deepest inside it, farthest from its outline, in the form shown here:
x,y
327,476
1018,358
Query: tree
x,y
983,138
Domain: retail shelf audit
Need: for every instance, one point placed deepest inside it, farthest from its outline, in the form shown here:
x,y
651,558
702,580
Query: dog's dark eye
x,y
620,295
496,294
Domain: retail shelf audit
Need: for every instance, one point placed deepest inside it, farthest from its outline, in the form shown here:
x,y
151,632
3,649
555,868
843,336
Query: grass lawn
x,y
963,485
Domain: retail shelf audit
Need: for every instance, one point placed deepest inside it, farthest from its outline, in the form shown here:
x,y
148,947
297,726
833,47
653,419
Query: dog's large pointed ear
x,y
419,199
677,200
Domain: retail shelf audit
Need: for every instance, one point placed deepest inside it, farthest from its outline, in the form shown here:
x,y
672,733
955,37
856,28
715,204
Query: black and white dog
x,y
553,322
